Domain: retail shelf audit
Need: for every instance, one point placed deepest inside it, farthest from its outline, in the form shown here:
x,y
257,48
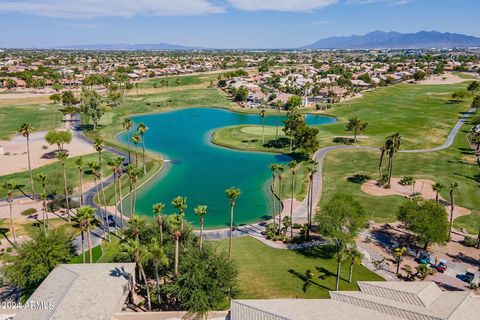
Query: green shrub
x,y
28,212
469,241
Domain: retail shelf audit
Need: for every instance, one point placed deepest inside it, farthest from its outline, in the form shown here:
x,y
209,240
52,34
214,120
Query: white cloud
x,y
81,9
281,5
386,2
318,23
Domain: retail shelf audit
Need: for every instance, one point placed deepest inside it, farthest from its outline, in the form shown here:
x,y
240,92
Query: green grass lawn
x,y
42,117
265,272
183,81
455,164
100,254
55,175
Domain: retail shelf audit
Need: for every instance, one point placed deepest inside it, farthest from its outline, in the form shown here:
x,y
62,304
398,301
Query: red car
x,y
441,265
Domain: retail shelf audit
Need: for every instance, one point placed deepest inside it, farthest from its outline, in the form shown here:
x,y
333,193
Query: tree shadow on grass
x,y
359,178
280,143
321,252
4,232
307,279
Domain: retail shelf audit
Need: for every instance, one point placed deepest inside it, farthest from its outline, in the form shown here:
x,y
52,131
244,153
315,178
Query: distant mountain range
x,y
396,40
124,46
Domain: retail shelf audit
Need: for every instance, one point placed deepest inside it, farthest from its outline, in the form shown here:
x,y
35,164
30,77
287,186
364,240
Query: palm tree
x,y
87,215
380,163
80,223
262,115
132,173
232,195
127,125
201,211
159,259
293,167
177,234
280,169
157,209
392,145
438,187
355,257
177,82
312,169
98,145
180,203
97,176
10,186
140,255
398,254
340,248
26,130
62,156
279,106
42,179
142,129
453,186
118,170
79,164
273,168
136,140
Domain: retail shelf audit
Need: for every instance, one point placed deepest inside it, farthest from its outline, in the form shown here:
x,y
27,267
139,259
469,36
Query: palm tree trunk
x,y
30,167
280,206
66,190
339,263
201,234
291,204
149,303
83,245
119,185
115,183
176,255
89,241
273,202
380,176
308,210
45,205
231,232
131,198
263,131
398,266
436,196
135,196
157,278
452,207
390,170
128,146
107,226
12,225
351,272
80,186
143,156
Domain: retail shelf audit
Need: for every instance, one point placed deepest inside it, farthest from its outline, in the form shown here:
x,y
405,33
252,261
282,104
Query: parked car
x,y
468,276
441,266
424,258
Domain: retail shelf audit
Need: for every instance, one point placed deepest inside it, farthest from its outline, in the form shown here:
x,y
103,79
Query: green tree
x,y
398,254
340,219
241,94
294,121
180,203
273,169
392,146
294,102
26,130
356,126
427,219
35,258
136,139
60,138
68,99
157,209
159,259
55,98
355,257
438,187
473,87
10,186
98,146
232,195
305,139
42,179
293,167
201,211
459,95
92,106
419,75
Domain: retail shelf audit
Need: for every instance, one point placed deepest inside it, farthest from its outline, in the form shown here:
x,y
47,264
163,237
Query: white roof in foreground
x,y
80,291
375,301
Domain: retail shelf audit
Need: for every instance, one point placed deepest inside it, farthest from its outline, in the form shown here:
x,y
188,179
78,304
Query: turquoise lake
x,y
201,171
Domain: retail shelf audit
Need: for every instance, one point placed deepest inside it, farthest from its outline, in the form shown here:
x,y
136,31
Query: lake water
x,y
201,171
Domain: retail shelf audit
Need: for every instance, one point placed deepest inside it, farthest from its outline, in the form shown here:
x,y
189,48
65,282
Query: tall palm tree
x,y
62,157
87,215
98,145
273,168
140,255
281,169
355,257
159,259
438,187
232,195
142,129
380,164
119,171
26,130
262,115
127,124
279,106
42,179
453,186
157,209
10,186
180,203
79,164
80,223
340,248
177,234
136,139
312,169
201,211
293,167
132,173
97,176
392,146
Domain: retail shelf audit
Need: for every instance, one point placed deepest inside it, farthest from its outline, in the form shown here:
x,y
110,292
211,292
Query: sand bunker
x,y
447,78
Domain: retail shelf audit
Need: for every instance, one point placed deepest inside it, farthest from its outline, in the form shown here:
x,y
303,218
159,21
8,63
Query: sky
x,y
223,23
